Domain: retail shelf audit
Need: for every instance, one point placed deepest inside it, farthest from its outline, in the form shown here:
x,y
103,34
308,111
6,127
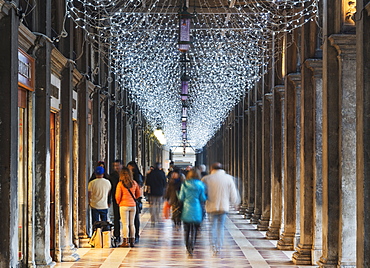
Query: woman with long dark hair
x,y
127,191
172,191
138,177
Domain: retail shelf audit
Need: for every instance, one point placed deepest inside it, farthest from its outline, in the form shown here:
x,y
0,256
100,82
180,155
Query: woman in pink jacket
x,y
127,205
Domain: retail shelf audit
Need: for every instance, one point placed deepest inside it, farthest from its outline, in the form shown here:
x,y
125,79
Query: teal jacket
x,y
192,194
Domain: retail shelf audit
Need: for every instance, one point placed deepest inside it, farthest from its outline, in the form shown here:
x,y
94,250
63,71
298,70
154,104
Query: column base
x,y
69,254
347,264
255,218
243,209
48,262
249,213
273,233
84,242
323,262
303,255
52,264
263,224
286,241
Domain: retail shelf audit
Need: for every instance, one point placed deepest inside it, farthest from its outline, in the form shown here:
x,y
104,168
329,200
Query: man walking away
x,y
156,181
222,193
99,190
114,179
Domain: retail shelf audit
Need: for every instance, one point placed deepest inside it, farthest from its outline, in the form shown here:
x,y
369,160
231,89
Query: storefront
x,y
26,72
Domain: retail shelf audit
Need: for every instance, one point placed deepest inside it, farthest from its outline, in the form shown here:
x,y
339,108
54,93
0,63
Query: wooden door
x,y
52,185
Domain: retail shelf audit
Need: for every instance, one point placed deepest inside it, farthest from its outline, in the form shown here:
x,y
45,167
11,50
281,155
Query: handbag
x,y
139,205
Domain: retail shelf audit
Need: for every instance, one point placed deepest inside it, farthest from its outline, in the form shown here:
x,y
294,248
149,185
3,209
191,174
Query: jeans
x,y
217,229
127,218
95,213
155,208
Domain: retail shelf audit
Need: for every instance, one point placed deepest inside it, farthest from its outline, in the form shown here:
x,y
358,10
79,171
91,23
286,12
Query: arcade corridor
x,y
275,90
163,246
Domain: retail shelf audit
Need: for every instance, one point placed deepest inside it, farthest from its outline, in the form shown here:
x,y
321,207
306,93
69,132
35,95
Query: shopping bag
x,y
106,239
166,210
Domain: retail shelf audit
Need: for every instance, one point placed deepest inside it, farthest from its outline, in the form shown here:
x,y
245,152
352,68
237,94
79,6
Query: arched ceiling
x,y
233,42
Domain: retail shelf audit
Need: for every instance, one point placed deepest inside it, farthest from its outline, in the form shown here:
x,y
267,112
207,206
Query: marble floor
x,y
163,246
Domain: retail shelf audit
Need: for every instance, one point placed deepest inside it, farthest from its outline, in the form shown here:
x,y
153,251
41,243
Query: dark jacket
x,y
156,180
114,179
173,189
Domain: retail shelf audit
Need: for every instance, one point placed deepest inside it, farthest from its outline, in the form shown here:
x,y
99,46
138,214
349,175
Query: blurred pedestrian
x,y
171,196
203,170
192,194
156,182
221,192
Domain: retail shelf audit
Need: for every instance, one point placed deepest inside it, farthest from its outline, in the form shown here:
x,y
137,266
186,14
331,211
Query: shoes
x,y
137,239
124,244
132,242
215,250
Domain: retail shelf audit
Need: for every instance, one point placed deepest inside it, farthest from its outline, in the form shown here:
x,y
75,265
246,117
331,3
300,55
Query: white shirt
x,y
221,192
98,193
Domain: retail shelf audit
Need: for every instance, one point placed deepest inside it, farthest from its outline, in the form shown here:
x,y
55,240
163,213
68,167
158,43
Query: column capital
x,y
280,90
268,96
367,7
252,108
4,8
345,45
296,78
316,66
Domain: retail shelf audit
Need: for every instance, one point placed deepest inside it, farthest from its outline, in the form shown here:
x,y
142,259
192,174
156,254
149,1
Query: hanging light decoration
x,y
231,48
184,30
185,87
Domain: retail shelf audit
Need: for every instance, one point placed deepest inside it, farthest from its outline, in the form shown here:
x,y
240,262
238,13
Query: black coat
x,y
156,180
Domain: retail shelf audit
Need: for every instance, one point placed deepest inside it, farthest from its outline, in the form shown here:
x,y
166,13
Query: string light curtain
x,y
231,48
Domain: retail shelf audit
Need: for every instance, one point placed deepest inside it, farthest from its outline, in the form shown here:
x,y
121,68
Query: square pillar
x,y
276,174
363,132
266,163
9,22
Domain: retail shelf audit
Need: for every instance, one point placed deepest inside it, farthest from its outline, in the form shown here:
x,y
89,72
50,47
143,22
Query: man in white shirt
x,y
221,193
99,190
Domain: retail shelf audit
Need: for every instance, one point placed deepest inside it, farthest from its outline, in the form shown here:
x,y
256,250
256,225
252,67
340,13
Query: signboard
x,y
26,70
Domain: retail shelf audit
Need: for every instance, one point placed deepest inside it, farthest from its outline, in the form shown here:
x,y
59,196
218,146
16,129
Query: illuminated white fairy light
x,y
231,49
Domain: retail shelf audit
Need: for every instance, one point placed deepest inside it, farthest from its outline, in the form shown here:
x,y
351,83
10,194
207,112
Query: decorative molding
x,y
269,96
296,78
345,45
367,8
4,9
316,66
58,62
26,38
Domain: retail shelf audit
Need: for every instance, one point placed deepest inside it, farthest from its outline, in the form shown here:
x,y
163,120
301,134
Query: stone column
x,y
243,207
331,125
258,164
316,66
245,159
42,151
83,141
363,132
251,162
303,250
286,241
9,22
297,81
266,163
68,250
346,46
276,176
